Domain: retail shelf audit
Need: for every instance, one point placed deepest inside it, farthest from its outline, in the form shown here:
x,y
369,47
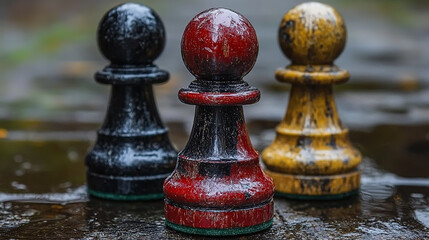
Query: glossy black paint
x,y
133,154
215,136
131,34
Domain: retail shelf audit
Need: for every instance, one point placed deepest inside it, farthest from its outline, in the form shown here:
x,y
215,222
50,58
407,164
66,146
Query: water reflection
x,y
392,202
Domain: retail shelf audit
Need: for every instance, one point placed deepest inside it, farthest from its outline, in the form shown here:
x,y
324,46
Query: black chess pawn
x,y
133,154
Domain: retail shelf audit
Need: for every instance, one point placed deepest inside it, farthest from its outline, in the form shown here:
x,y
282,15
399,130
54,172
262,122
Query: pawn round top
x,y
220,45
131,34
312,34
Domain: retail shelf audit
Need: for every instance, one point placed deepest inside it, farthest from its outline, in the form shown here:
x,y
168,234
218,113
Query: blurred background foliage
x,y
48,53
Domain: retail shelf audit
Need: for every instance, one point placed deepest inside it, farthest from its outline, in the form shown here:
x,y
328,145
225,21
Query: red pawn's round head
x,y
219,45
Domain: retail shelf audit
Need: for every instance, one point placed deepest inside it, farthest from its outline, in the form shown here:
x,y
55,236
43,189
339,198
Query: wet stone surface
x,y
43,193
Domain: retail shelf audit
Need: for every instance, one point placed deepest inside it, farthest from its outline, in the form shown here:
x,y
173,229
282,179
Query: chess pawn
x,y
218,186
311,156
133,154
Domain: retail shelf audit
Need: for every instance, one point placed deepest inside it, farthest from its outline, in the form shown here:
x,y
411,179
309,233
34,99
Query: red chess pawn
x,y
218,186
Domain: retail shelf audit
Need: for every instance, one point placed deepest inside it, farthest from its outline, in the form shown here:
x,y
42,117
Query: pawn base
x,y
219,222
220,232
317,197
126,188
320,187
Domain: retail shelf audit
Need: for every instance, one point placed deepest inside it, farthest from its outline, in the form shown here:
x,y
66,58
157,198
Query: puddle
x,y
400,149
42,166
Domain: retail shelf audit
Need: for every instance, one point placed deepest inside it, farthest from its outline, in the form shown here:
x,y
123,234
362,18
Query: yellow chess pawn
x,y
311,156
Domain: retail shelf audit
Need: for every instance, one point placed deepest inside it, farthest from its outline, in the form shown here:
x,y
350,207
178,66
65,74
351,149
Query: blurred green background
x,y
48,55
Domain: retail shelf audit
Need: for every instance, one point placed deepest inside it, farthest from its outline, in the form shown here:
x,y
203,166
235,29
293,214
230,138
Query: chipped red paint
x,y
218,182
197,218
246,185
216,98
218,44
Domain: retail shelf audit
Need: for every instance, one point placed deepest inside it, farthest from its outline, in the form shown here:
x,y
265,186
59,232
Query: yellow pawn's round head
x,y
312,34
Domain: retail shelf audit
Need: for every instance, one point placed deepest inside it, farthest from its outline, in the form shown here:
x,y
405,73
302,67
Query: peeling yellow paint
x,y
312,33
311,154
315,185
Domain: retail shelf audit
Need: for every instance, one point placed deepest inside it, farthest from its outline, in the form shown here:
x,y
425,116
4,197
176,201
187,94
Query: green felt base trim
x,y
121,197
220,232
317,197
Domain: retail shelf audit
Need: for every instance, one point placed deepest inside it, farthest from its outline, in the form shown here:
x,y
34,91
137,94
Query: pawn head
x,y
312,33
219,44
131,34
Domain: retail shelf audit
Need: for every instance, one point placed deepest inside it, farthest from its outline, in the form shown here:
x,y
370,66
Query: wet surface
x,y
43,193
48,56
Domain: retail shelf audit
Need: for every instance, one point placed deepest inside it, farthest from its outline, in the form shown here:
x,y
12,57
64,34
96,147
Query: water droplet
x,y
65,185
18,186
417,195
19,172
29,213
26,165
73,156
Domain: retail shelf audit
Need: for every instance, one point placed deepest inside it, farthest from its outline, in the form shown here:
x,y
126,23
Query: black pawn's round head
x,y
131,34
